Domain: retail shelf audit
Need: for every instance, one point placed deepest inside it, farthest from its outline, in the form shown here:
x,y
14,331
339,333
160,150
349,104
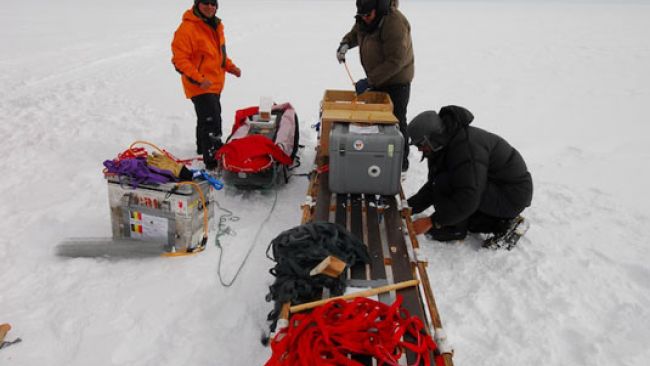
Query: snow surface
x,y
565,82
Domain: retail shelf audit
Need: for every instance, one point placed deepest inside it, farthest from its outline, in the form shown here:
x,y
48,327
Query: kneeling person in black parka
x,y
477,182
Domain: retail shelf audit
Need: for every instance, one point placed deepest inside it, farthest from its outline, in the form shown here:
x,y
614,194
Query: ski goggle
x,y
424,141
209,2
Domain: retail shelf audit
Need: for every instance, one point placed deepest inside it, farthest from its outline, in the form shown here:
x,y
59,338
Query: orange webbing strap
x,y
134,150
362,326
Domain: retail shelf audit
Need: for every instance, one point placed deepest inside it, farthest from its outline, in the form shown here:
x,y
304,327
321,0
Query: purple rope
x,y
138,171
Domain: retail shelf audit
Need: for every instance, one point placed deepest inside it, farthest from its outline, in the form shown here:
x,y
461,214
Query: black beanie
x,y
366,6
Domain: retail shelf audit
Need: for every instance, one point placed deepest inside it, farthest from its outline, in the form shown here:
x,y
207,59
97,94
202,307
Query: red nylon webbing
x,y
327,335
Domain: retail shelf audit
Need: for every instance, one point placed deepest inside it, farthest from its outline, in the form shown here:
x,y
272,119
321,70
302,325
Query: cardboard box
x,y
344,106
347,99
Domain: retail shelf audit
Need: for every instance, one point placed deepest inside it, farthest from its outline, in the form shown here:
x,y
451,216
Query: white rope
x,y
225,230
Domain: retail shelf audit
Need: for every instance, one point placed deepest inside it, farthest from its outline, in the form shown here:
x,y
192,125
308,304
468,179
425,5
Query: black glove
x,y
340,52
361,86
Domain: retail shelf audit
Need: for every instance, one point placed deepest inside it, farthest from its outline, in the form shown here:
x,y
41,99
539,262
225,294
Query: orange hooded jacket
x,y
199,53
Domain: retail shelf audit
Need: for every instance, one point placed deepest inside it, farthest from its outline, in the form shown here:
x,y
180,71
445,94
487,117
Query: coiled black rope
x,y
297,251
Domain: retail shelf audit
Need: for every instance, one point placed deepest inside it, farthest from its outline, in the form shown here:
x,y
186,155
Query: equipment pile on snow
x,y
403,326
158,207
261,148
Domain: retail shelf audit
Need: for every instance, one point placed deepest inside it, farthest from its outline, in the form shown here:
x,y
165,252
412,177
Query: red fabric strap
x,y
252,153
241,115
362,326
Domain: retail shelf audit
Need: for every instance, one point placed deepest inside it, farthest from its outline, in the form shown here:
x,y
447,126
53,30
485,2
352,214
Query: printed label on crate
x,y
145,226
363,129
144,200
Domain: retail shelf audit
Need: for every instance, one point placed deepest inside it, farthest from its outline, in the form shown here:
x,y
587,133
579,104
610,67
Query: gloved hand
x,y
340,52
422,225
361,86
235,71
205,84
163,162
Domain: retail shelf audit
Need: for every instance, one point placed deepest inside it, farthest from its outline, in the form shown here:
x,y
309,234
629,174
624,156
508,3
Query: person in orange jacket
x,y
199,55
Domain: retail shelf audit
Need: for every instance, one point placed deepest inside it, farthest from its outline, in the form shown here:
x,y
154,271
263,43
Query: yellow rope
x,y
146,143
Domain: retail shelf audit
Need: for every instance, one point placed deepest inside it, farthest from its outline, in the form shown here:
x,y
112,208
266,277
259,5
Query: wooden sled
x,y
385,226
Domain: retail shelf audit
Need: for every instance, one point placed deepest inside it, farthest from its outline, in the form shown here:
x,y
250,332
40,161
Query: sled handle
x,y
365,293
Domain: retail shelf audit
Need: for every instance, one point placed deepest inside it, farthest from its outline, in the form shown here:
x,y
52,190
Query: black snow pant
x,y
208,125
478,222
400,95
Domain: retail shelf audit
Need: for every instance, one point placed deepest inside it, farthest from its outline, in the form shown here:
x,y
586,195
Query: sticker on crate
x,y
145,226
364,130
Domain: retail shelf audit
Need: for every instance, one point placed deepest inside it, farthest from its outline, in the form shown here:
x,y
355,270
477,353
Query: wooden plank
x,y
364,293
377,267
402,267
321,210
4,329
348,99
353,220
436,322
385,248
373,117
330,266
340,216
358,271
312,191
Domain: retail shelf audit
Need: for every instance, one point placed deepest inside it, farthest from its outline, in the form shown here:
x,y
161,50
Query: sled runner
x,y
261,148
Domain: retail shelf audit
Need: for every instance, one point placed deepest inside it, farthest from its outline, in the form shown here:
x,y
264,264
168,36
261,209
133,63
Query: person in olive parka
x,y
383,35
477,182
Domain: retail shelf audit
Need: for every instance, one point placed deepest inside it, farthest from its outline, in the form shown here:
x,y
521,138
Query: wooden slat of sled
x,y
377,267
360,271
402,267
322,209
391,246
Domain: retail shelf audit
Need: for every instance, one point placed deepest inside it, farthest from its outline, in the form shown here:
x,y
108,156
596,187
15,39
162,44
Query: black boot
x,y
209,154
447,233
508,239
